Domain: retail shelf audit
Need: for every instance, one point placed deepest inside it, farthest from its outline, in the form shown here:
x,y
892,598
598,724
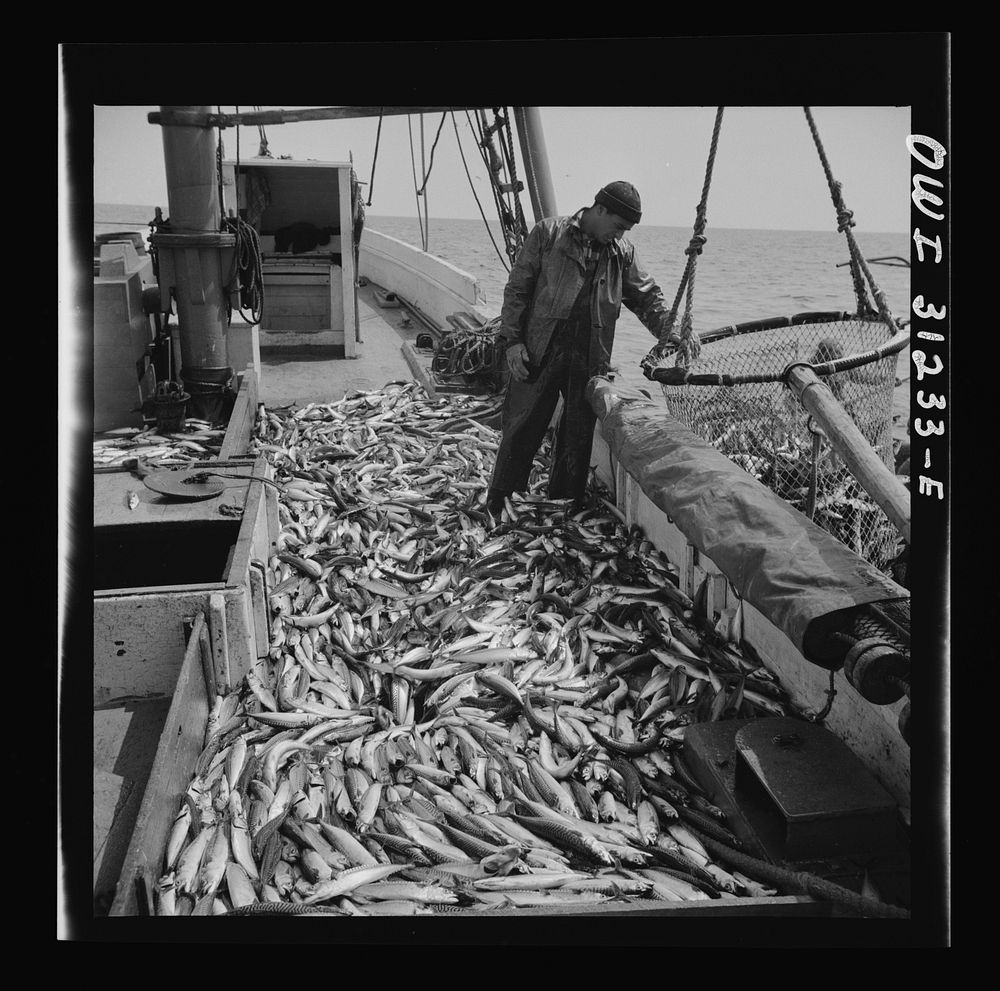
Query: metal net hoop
x,y
734,398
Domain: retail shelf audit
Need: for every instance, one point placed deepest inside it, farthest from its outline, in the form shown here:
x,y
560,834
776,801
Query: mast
x,y
537,176
192,264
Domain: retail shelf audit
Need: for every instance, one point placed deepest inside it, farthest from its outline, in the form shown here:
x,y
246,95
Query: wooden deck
x,y
306,368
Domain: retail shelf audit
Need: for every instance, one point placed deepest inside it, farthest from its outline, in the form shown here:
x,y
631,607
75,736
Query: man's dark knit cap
x,y
621,198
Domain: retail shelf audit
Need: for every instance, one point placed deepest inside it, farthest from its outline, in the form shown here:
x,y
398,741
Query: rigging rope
x,y
508,223
689,347
262,152
427,175
413,167
474,194
371,178
423,169
521,231
845,221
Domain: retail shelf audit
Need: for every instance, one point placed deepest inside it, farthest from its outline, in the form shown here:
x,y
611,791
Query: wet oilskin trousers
x,y
527,412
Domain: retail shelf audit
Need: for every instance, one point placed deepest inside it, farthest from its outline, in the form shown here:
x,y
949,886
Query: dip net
x,y
728,386
762,426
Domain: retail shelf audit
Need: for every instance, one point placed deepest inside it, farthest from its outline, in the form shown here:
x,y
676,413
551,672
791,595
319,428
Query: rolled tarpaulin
x,y
787,567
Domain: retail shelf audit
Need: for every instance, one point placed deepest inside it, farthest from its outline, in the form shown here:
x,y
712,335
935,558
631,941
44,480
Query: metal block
x,y
791,790
824,799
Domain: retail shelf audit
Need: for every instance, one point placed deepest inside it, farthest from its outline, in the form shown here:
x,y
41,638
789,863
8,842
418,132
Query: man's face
x,y
607,226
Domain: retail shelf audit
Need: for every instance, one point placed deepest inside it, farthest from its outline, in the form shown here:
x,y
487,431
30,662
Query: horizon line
x,y
722,227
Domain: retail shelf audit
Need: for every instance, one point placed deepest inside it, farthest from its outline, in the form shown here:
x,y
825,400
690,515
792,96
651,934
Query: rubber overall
x,y
528,407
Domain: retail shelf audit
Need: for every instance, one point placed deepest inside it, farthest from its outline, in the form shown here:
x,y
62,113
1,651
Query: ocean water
x,y
741,275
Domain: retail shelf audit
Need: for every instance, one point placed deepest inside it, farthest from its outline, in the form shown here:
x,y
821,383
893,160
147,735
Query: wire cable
x,y
475,196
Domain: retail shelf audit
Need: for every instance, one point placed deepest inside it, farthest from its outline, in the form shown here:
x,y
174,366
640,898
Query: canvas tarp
x,y
791,570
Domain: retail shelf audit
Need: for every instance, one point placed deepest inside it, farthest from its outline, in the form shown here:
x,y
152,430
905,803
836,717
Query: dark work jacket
x,y
547,277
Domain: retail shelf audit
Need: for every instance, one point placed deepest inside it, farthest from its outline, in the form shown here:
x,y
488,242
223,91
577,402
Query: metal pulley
x,y
877,670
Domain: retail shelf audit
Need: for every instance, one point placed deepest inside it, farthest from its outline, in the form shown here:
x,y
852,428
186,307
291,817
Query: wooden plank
x,y
242,420
348,298
789,906
258,600
241,641
139,643
181,742
157,590
111,508
265,536
250,525
220,641
207,660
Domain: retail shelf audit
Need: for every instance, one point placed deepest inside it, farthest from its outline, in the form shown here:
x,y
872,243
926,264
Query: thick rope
x,y
800,881
507,220
420,192
413,166
427,174
845,221
520,225
371,178
689,347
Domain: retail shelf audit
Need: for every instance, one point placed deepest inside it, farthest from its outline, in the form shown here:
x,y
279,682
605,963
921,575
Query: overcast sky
x,y
767,171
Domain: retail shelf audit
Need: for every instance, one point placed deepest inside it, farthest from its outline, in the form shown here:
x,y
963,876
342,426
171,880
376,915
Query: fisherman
x,y
560,306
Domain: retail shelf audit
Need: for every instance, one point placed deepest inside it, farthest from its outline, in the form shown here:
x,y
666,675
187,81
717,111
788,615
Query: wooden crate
x,y
139,630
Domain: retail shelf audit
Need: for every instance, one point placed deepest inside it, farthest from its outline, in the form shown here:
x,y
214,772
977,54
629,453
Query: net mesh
x,y
762,426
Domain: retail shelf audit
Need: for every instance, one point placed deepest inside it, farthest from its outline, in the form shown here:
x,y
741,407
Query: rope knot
x,y
845,219
696,244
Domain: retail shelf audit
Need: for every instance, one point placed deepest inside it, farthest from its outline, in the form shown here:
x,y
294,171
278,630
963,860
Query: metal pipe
x,y
189,157
537,176
204,117
191,255
852,445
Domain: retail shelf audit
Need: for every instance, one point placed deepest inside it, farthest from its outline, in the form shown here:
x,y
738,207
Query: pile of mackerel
x,y
457,713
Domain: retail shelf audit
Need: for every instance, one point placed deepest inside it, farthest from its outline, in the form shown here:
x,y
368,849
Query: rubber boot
x,y
494,502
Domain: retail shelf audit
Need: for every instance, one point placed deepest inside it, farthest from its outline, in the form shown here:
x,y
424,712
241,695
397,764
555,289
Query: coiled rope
x,y
469,352
247,272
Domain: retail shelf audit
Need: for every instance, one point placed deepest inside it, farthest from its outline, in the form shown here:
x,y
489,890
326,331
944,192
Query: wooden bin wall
x,y
181,741
870,731
139,634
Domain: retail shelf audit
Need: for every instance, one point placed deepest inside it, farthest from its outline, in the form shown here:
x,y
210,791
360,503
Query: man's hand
x,y
517,362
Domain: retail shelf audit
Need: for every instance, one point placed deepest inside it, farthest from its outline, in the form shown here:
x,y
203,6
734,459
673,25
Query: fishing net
x,y
762,426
